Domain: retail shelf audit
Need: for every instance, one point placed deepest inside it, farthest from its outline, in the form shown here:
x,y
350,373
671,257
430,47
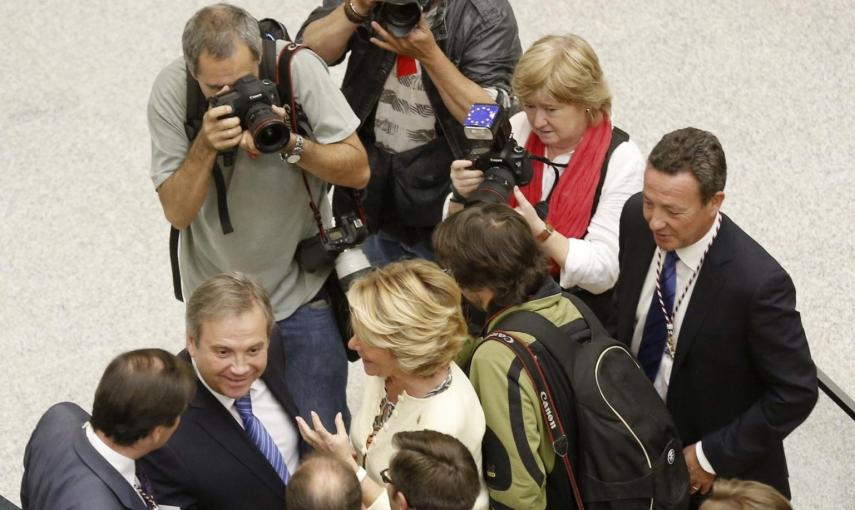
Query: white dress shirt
x,y
126,466
272,415
689,258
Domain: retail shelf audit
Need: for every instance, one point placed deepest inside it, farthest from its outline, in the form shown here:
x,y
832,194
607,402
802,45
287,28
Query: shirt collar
x,y
254,390
691,255
126,466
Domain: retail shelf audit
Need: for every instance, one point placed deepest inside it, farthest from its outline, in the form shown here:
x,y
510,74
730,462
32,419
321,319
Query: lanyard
x,y
671,348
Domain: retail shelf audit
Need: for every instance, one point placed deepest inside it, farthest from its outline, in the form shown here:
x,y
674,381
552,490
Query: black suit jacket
x,y
210,462
62,470
743,377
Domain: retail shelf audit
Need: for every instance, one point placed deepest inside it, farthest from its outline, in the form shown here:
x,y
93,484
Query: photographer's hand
x,y
419,43
556,246
528,213
220,132
464,178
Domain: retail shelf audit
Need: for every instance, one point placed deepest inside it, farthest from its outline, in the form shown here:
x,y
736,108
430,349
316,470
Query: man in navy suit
x,y
237,443
74,461
712,318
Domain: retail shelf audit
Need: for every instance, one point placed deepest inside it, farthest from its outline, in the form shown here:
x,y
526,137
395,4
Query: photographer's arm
x,y
457,91
343,163
328,36
465,180
183,193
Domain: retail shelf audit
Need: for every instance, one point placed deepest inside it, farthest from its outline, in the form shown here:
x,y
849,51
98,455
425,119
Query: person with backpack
x,y
240,202
571,421
584,167
712,318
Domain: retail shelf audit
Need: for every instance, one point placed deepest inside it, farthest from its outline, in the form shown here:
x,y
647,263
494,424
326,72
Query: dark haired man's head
x,y
432,471
141,397
489,247
323,482
695,151
683,187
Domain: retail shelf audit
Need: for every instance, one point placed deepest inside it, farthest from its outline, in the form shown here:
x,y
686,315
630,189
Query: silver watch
x,y
293,156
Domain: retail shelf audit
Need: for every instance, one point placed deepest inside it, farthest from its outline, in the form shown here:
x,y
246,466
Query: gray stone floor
x,y
84,271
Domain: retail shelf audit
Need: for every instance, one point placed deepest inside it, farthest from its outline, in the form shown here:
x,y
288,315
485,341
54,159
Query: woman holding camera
x,y
408,327
584,168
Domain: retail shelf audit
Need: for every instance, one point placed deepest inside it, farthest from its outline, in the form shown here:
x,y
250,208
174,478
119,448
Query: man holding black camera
x,y
268,182
415,68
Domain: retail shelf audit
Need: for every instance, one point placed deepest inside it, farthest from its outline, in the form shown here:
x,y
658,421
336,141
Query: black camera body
x,y
348,232
400,17
494,151
338,248
251,100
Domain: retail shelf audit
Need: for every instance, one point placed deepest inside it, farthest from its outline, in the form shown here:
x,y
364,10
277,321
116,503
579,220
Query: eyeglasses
x,y
384,475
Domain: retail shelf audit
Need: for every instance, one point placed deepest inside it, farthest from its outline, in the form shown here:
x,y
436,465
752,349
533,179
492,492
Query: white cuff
x,y
702,459
361,473
445,206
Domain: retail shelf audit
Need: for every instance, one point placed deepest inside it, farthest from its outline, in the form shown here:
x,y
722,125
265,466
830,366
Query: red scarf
x,y
573,195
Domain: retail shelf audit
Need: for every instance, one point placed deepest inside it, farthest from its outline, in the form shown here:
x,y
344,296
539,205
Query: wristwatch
x,y
547,231
293,156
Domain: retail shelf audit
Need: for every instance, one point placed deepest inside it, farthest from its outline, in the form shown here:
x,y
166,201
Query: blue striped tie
x,y
655,330
261,438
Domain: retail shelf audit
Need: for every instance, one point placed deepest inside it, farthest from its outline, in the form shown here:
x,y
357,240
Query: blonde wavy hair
x,y
744,495
411,308
565,67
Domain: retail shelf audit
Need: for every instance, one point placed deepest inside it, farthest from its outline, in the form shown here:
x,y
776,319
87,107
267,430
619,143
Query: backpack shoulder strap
x,y
196,106
618,137
268,60
174,233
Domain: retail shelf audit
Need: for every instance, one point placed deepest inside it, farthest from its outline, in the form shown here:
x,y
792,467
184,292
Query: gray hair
x,y
225,295
216,28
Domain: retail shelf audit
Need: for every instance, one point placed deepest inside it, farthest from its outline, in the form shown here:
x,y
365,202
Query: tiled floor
x,y
84,272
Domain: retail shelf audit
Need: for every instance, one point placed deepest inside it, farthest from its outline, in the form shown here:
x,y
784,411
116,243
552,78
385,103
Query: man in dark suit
x,y
237,443
711,316
74,461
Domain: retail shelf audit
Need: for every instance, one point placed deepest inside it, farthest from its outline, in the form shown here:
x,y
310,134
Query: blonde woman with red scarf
x,y
566,121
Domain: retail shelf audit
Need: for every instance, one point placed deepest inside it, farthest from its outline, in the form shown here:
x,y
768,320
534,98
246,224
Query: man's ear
x,y
717,200
401,500
191,346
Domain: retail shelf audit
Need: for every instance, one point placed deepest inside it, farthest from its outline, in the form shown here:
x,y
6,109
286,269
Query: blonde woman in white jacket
x,y
408,327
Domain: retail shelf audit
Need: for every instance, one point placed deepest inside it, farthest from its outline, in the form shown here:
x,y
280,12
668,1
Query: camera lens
x,y
400,19
496,187
268,131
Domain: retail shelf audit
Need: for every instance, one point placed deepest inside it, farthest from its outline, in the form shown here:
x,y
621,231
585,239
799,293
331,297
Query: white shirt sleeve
x,y
592,262
702,459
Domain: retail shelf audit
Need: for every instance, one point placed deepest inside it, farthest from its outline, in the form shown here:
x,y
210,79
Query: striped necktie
x,y
261,438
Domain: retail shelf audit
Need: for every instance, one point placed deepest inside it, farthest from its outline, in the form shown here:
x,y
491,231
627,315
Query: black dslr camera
x,y
338,247
400,17
492,149
251,100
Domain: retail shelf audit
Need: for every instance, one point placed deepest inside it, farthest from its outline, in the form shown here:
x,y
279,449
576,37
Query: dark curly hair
x,y
490,246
